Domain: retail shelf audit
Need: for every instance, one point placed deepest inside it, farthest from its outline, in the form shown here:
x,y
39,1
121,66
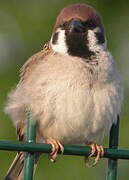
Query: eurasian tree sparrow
x,y
72,86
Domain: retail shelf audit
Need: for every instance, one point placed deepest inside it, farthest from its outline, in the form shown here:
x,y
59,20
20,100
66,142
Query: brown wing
x,y
25,71
29,66
16,169
20,130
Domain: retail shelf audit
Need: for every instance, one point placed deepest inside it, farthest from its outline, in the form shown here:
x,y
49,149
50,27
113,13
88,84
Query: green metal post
x,y
113,144
30,138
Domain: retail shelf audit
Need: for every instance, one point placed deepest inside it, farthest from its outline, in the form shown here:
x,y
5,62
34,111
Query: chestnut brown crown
x,y
78,11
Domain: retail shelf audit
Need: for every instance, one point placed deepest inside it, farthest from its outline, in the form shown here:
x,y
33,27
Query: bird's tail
x,y
15,171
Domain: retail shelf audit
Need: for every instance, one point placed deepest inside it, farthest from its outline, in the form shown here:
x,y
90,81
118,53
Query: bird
x,y
72,86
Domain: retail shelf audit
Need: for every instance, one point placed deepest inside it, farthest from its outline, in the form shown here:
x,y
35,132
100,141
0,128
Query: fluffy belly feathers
x,y
70,103
73,113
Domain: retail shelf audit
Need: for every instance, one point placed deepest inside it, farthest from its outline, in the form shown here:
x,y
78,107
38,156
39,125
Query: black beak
x,y
76,26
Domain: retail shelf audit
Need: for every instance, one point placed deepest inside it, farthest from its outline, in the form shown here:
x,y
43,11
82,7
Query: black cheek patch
x,y
55,37
100,37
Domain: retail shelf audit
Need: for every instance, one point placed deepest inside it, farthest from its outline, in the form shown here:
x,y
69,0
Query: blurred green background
x,y
25,25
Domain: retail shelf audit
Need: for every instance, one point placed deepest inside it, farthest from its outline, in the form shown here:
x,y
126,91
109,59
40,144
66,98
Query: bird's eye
x,y
90,24
63,26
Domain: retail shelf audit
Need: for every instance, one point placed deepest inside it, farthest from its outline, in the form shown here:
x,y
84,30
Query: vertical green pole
x,y
30,137
113,144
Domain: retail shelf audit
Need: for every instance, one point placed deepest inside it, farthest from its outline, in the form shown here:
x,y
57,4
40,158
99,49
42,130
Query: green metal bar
x,y
30,138
68,149
113,144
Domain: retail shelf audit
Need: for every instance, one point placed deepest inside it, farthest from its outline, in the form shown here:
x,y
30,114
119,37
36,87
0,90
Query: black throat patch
x,y
78,45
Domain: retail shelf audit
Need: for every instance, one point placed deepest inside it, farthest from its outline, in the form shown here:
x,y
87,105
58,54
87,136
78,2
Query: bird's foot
x,y
95,149
56,146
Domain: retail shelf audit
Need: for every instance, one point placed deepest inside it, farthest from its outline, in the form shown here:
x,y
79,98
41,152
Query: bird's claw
x,y
56,146
95,149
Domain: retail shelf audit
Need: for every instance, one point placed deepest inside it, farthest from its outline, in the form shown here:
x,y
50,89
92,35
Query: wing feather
x,y
31,63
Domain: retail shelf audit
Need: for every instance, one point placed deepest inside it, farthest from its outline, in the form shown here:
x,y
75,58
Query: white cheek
x,y
60,46
93,42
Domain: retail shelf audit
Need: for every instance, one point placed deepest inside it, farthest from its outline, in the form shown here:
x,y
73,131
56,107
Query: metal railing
x,y
31,147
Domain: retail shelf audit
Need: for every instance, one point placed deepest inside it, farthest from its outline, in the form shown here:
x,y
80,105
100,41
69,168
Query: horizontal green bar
x,y
68,149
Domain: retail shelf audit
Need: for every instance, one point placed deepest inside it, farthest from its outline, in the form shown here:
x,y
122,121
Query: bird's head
x,y
78,31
